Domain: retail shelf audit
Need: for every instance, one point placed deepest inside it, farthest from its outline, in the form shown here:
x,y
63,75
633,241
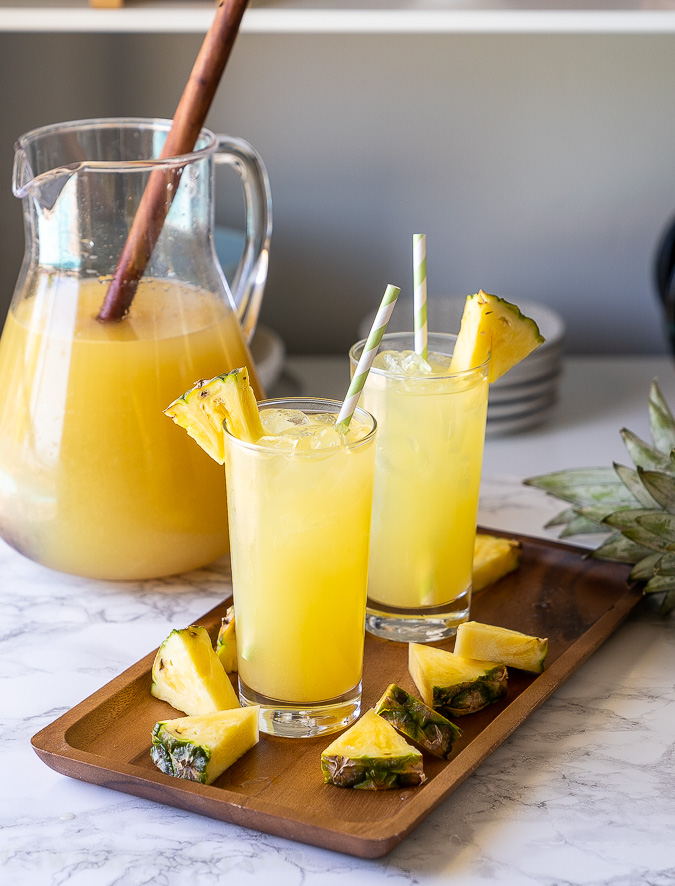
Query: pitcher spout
x,y
45,187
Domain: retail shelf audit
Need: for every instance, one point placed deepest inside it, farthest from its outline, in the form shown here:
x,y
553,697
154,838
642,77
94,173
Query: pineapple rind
x,y
371,755
453,684
469,698
372,774
181,759
188,674
202,748
424,726
513,648
493,557
160,755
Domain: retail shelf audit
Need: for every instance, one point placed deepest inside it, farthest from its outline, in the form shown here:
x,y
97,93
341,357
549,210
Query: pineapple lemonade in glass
x,y
299,502
431,431
299,494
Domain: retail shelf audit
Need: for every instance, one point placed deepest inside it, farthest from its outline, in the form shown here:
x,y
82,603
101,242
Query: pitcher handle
x,y
249,280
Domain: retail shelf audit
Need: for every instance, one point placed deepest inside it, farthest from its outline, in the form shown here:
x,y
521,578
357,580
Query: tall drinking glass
x,y
299,531
431,430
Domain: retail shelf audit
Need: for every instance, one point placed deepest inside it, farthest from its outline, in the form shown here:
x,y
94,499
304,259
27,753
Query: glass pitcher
x,y
94,479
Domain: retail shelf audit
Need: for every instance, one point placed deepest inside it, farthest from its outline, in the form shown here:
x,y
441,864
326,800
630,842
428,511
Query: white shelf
x,y
346,17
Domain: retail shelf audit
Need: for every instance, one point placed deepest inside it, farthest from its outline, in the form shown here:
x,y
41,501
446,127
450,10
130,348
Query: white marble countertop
x,y
582,793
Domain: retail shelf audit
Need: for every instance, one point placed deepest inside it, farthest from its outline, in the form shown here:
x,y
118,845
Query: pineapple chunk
x,y
425,727
202,748
453,684
188,674
492,326
226,642
372,756
225,398
493,557
516,650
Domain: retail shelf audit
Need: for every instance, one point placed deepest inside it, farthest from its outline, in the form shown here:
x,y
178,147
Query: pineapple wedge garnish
x,y
372,756
516,650
226,642
427,728
226,398
202,748
453,684
188,674
493,327
493,557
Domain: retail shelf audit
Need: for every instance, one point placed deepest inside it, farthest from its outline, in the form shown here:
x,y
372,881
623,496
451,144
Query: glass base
x,y
417,625
303,720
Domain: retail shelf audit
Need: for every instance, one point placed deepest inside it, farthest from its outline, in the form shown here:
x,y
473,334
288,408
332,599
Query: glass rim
x,y
159,124
293,403
390,336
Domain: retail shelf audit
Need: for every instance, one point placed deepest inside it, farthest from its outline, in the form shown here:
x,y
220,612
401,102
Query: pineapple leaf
x,y
636,505
644,569
661,421
561,519
595,514
620,549
660,583
584,486
580,521
659,523
667,604
642,454
633,481
629,523
660,487
580,524
666,564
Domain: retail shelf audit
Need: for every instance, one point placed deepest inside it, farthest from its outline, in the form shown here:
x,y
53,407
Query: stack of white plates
x,y
527,394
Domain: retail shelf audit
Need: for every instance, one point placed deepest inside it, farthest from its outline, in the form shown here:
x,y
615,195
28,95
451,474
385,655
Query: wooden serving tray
x,y
277,787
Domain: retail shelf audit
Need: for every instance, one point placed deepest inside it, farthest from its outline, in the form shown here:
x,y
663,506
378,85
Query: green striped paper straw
x,y
420,294
366,359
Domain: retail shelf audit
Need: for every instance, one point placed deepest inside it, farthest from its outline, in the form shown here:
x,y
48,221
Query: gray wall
x,y
540,167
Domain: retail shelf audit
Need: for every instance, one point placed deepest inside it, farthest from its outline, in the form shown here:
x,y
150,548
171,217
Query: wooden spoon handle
x,y
162,184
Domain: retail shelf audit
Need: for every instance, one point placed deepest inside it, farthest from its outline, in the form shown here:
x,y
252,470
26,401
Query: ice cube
x,y
440,363
297,433
325,438
297,417
276,421
324,418
387,360
415,364
402,363
278,442
357,430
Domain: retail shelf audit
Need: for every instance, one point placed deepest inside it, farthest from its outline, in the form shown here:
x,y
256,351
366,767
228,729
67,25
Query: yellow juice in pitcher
x,y
93,478
300,501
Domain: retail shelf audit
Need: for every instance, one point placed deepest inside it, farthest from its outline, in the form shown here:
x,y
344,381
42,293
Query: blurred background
x,y
540,166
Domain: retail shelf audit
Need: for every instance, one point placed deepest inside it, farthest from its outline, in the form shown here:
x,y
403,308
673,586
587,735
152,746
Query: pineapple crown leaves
x,y
634,506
